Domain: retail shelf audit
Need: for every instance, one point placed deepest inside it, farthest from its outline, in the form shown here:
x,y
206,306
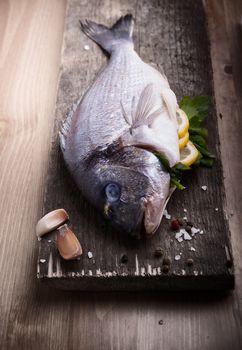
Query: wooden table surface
x,y
34,317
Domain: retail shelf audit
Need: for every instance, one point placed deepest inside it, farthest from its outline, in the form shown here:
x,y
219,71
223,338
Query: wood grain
x,y
34,317
31,38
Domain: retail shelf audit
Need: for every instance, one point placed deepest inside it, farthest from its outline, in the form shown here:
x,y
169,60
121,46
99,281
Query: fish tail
x,y
109,38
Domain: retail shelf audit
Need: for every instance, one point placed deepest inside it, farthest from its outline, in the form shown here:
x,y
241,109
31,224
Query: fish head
x,y
130,187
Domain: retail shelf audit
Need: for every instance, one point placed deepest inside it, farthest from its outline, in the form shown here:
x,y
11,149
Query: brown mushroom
x,y
67,243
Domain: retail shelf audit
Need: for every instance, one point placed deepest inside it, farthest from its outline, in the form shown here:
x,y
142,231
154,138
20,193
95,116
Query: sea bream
x,y
109,140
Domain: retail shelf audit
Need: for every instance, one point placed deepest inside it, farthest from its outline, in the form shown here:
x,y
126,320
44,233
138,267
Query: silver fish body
x,y
108,141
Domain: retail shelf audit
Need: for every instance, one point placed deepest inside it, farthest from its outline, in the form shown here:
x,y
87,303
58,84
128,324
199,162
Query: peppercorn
x,y
175,225
189,262
167,261
188,228
166,268
189,223
158,252
124,259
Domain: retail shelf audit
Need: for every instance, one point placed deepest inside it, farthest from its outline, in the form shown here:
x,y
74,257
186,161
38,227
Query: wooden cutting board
x,y
173,35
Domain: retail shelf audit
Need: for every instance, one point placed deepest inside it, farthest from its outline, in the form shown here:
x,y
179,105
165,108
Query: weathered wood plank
x,y
176,39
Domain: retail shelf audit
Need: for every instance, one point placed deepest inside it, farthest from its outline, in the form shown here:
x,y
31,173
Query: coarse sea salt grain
x,y
177,257
166,215
86,47
204,188
180,233
187,237
42,261
194,230
185,210
90,255
179,236
192,249
185,218
216,209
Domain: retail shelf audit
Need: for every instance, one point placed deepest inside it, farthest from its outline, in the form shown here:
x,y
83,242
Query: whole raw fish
x,y
108,141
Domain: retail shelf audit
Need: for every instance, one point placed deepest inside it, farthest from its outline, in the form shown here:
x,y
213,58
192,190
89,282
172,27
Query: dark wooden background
x,y
177,40
35,317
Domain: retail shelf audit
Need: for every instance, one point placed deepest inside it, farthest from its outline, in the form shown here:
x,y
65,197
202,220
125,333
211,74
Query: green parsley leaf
x,y
198,131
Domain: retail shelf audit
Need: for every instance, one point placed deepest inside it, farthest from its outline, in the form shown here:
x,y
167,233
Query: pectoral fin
x,y
148,108
152,126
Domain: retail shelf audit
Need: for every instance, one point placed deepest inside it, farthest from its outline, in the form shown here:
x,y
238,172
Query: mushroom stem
x,y
67,243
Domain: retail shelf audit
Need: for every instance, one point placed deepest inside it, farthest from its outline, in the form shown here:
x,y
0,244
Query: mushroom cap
x,y
51,221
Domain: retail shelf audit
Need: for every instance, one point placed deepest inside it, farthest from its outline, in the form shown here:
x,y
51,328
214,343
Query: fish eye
x,y
112,192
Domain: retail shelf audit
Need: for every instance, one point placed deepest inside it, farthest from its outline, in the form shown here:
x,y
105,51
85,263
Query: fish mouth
x,y
137,230
131,225
144,227
146,222
154,209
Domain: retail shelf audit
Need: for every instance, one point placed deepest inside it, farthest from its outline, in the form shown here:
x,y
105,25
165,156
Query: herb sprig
x,y
196,109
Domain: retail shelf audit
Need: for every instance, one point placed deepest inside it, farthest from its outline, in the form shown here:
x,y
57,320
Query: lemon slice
x,y
183,123
189,154
183,141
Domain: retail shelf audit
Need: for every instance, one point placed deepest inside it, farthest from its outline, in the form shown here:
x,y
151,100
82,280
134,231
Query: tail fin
x,y
108,38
